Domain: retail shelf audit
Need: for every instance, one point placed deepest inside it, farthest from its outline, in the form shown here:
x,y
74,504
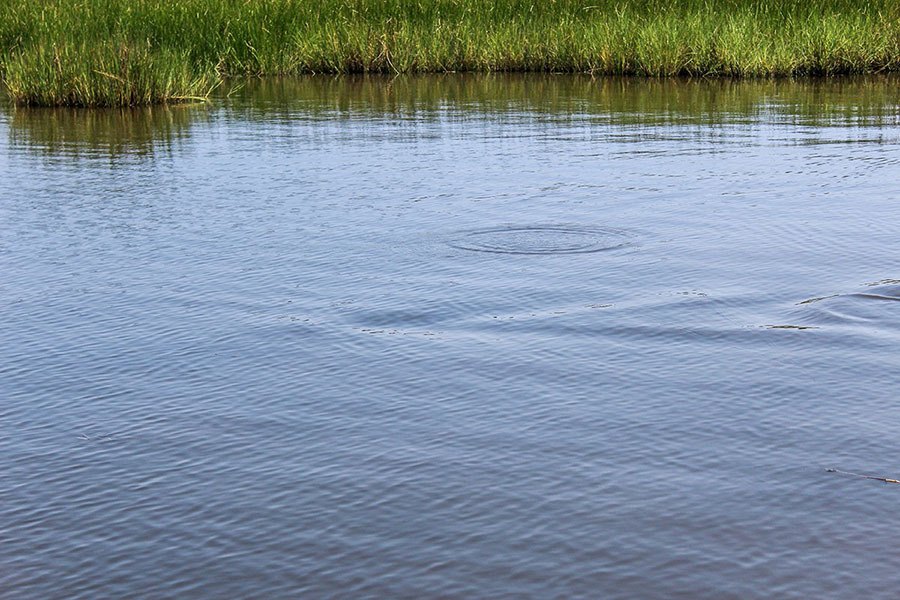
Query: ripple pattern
x,y
541,239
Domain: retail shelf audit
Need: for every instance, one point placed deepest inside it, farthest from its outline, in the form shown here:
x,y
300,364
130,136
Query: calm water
x,y
457,337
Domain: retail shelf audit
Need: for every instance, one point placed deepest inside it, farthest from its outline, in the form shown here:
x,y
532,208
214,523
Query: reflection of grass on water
x,y
627,101
859,100
107,132
127,52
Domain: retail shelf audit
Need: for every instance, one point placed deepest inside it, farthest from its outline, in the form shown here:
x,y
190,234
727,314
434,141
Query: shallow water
x,y
453,337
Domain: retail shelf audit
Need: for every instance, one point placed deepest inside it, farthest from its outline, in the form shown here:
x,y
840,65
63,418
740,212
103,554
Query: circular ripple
x,y
541,239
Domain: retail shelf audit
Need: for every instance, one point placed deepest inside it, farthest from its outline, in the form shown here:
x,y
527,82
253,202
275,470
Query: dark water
x,y
470,337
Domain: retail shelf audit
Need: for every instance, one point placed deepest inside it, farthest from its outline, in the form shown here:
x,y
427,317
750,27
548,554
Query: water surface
x,y
474,337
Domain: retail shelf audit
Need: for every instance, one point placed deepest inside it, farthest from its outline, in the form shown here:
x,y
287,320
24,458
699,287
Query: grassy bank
x,y
128,52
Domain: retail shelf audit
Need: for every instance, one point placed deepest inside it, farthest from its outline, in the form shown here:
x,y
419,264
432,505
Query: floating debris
x,y
883,282
818,299
861,476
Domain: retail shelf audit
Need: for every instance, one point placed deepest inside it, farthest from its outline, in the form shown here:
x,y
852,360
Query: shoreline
x,y
121,53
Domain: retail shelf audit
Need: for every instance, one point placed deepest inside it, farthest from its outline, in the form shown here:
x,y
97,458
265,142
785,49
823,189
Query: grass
x,y
132,52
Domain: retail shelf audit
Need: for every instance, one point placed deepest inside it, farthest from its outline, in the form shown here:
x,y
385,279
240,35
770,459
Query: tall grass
x,y
126,52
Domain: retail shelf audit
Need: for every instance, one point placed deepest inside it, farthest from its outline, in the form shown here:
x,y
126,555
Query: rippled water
x,y
453,337
540,239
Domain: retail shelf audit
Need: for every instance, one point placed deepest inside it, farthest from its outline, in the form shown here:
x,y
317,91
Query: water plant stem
x,y
882,479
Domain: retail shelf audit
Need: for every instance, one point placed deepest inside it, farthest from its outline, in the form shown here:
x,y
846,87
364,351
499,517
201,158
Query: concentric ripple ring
x,y
541,239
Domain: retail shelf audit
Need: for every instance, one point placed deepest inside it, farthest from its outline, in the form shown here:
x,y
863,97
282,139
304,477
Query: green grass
x,y
130,52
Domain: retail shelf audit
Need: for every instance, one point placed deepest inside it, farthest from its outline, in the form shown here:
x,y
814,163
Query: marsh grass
x,y
130,52
103,75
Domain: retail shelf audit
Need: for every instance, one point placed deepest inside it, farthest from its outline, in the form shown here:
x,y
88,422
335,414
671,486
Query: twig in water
x,y
884,479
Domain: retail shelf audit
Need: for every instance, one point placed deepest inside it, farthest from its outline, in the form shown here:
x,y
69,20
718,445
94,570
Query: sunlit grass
x,y
103,75
129,52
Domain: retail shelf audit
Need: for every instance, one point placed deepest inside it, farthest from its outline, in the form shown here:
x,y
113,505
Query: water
x,y
472,337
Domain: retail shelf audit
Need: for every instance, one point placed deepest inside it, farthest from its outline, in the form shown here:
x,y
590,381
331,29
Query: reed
x,y
130,52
